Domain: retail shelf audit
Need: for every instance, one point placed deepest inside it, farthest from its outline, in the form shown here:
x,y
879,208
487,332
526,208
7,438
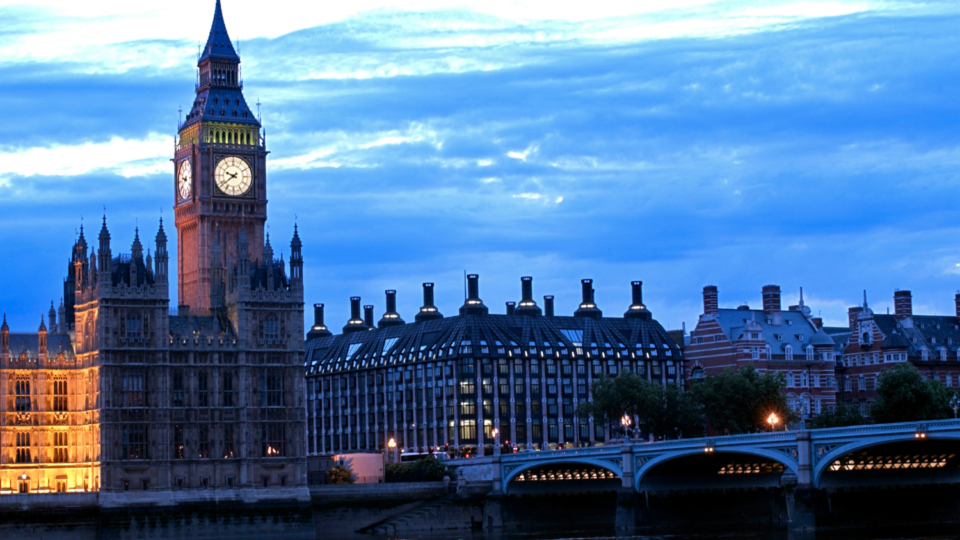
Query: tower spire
x,y
218,44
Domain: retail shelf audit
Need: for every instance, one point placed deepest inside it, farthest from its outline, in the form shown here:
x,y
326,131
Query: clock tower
x,y
220,174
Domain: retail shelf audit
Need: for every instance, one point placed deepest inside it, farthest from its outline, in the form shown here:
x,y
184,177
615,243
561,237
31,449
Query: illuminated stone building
x,y
141,404
451,381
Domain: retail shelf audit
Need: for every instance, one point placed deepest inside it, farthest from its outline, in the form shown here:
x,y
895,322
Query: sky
x,y
683,143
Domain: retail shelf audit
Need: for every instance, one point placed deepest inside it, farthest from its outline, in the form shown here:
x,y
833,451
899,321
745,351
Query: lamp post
x,y
773,420
392,445
955,404
496,442
625,421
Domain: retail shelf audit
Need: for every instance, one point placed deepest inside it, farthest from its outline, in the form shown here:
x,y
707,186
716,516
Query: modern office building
x,y
475,379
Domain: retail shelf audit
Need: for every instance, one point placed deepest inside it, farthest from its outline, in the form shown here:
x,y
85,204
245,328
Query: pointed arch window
x,y
271,328
23,394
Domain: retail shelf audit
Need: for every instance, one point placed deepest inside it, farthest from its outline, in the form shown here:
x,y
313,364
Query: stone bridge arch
x,y
512,471
827,454
645,465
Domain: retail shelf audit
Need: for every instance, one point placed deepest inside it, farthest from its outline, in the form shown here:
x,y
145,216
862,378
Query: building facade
x,y
881,341
790,342
476,379
139,403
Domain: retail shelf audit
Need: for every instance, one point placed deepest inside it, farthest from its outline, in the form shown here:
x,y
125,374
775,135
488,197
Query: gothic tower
x,y
219,172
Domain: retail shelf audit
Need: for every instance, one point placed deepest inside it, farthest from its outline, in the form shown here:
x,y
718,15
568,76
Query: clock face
x,y
233,175
184,180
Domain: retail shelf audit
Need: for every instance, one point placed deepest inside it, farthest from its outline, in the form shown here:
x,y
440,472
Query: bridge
x,y
802,465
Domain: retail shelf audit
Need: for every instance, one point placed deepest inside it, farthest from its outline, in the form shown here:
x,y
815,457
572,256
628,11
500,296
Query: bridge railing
x,y
884,429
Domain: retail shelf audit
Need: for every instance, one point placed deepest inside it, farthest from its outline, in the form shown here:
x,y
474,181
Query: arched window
x,y
134,326
23,394
788,352
810,356
60,394
697,373
271,328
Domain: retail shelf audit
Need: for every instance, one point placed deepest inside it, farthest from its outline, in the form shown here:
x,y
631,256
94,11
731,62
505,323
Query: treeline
x,y
744,401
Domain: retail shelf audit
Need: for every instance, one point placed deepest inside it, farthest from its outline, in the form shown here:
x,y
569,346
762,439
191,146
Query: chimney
x,y
368,316
587,308
527,305
355,323
318,329
817,323
511,308
473,304
771,299
902,304
711,305
428,311
852,314
548,305
391,317
637,310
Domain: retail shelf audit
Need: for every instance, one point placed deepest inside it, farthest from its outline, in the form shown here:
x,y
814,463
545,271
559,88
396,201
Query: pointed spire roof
x,y
219,45
43,327
4,327
81,241
104,233
161,235
53,311
137,247
295,243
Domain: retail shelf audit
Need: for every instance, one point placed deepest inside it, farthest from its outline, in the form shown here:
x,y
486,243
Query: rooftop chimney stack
x,y
318,329
391,317
548,305
771,299
711,303
511,308
368,316
902,304
527,306
588,307
637,310
473,304
355,323
428,311
818,323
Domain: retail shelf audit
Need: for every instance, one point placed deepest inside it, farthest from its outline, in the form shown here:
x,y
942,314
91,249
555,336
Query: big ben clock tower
x,y
220,181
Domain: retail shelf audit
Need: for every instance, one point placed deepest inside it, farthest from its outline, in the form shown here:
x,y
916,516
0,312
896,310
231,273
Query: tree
x,y
903,395
339,475
664,411
740,401
842,416
422,470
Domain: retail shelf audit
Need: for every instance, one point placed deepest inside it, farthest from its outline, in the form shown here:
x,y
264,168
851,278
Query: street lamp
x,y
625,421
496,442
773,420
392,445
955,404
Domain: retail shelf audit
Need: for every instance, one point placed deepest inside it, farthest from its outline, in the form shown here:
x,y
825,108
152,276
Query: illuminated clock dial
x,y
184,180
233,175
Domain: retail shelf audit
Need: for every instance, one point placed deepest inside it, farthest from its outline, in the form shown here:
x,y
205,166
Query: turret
x,y
268,259
104,251
4,336
64,326
161,263
296,258
136,256
42,339
52,315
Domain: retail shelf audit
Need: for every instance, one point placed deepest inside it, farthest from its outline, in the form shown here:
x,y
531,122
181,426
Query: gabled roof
x,y
490,336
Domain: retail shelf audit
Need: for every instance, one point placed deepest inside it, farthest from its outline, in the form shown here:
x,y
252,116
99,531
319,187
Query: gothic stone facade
x,y
127,399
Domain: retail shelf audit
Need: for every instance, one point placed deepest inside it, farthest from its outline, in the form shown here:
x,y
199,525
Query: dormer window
x,y
216,101
799,337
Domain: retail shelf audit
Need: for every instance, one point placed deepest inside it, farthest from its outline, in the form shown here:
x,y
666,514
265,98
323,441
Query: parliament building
x,y
122,395
466,383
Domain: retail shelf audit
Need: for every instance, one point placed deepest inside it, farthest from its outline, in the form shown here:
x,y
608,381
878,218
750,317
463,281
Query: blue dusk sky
x,y
684,143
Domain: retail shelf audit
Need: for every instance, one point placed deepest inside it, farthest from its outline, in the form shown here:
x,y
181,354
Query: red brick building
x,y
789,342
878,342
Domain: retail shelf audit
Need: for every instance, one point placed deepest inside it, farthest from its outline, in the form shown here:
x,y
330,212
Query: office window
x,y
272,439
468,429
134,390
271,390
